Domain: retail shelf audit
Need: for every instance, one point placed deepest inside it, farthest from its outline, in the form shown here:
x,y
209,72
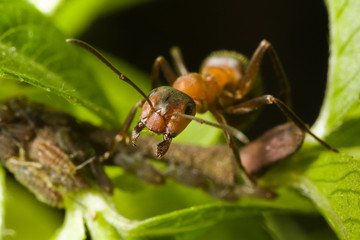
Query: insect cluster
x,y
42,149
50,153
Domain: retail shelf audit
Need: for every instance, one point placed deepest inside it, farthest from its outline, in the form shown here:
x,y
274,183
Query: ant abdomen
x,y
228,67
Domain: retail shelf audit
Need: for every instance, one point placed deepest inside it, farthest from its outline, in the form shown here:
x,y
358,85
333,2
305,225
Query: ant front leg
x,y
178,60
253,69
255,103
163,65
245,177
123,134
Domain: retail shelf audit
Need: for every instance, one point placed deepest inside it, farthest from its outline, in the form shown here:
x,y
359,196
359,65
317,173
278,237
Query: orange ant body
x,y
223,85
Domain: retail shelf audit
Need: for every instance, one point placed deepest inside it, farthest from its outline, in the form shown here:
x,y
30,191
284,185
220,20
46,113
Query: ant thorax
x,y
166,102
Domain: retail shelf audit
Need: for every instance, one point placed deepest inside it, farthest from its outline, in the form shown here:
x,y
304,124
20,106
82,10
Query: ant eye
x,y
189,109
152,92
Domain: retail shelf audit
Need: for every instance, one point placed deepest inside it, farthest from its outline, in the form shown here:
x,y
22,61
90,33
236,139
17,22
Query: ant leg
x,y
255,103
136,132
123,133
100,177
245,177
178,60
253,69
232,131
169,74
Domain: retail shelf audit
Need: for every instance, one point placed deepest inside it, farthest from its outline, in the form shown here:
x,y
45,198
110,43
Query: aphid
x,y
225,81
51,155
37,181
32,176
56,163
41,146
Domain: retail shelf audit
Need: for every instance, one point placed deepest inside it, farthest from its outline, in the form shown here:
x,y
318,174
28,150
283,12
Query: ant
x,y
224,84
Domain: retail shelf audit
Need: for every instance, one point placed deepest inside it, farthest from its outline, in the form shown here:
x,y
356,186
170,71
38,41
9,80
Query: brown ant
x,y
224,84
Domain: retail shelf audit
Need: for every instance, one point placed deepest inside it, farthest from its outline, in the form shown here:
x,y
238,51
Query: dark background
x,y
297,29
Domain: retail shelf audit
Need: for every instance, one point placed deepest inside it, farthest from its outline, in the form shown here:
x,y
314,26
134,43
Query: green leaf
x,y
331,181
73,17
199,218
333,184
343,87
25,216
192,219
101,229
34,52
2,201
249,228
102,218
73,227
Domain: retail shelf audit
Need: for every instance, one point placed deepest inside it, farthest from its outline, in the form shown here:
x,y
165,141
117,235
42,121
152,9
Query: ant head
x,y
166,102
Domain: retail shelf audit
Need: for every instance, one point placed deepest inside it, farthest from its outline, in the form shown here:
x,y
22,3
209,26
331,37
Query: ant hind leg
x,y
245,177
253,69
255,103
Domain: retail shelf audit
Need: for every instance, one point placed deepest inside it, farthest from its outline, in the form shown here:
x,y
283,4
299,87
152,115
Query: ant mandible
x,y
225,80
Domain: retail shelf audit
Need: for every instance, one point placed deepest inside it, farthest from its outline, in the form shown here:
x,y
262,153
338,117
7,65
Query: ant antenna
x,y
92,50
233,131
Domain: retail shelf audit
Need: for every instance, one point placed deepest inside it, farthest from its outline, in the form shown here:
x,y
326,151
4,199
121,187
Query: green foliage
x,y
2,200
25,217
343,82
72,21
34,52
30,53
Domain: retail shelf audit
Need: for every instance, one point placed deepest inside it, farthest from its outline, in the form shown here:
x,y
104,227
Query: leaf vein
x,y
354,172
14,30
342,191
348,40
341,9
